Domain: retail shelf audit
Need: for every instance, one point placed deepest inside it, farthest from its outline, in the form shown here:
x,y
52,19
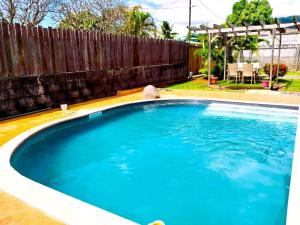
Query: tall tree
x,y
112,15
83,20
140,23
167,30
31,12
217,54
249,12
105,15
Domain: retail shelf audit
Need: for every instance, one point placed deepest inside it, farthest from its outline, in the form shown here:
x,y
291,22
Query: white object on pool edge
x,y
64,107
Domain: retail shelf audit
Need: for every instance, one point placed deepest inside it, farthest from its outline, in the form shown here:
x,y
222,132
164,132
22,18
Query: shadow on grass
x,y
291,85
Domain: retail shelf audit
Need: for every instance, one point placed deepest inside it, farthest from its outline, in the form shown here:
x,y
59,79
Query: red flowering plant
x,y
282,69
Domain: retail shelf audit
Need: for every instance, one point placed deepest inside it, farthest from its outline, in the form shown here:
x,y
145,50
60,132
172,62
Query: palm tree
x,y
239,44
140,23
166,30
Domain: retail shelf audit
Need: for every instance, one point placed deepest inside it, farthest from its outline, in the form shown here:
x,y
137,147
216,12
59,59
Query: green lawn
x,y
291,85
236,86
293,73
201,84
197,84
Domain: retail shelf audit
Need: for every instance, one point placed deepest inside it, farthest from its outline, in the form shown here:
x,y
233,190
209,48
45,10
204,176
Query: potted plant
x,y
265,83
213,79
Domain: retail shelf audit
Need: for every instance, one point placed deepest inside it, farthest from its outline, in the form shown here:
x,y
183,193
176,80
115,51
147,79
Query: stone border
x,y
70,210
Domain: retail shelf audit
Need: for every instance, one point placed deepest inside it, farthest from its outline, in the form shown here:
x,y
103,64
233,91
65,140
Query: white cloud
x,y
177,11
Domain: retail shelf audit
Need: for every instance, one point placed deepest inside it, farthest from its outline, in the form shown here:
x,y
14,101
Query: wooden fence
x,y
195,62
35,51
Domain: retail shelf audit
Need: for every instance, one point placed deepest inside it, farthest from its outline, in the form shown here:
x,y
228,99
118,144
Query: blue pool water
x,y
182,162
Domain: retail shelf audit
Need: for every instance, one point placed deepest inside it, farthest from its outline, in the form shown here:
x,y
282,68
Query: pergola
x,y
228,34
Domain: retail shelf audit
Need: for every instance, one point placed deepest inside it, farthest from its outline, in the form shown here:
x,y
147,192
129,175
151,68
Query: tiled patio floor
x,y
14,211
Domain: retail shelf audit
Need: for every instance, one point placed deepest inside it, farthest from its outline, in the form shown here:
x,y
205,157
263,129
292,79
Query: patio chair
x,y
248,72
240,66
256,67
233,71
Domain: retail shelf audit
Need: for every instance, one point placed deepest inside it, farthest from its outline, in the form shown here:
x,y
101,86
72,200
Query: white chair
x,y
256,66
240,66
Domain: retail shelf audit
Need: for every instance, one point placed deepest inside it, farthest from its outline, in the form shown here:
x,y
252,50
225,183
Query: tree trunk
x,y
230,57
250,56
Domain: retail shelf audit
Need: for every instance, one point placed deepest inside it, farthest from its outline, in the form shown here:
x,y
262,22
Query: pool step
x,y
252,112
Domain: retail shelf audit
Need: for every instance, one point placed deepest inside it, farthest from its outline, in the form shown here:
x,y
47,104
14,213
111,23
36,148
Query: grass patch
x,y
236,86
201,84
291,85
293,73
197,84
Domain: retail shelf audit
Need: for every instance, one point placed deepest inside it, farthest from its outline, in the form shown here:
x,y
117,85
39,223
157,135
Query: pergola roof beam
x,y
206,30
204,27
241,34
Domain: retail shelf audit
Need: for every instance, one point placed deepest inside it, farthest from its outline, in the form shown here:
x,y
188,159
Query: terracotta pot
x,y
213,80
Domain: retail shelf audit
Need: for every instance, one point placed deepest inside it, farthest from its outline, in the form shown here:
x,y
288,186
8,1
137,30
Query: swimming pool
x,y
183,162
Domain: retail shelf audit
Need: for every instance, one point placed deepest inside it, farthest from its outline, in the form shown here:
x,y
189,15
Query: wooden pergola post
x,y
225,57
297,58
272,59
209,57
279,51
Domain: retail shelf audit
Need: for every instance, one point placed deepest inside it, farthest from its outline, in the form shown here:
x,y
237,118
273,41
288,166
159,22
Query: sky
x,y
205,11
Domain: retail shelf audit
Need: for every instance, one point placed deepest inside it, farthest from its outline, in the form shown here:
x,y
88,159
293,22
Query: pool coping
x,y
70,210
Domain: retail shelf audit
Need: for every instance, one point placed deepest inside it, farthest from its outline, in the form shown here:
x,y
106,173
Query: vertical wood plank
x,y
107,51
80,49
56,51
3,60
102,50
120,51
21,62
97,57
91,50
85,51
69,51
48,49
43,53
38,53
66,49
26,51
63,41
75,50
13,45
8,50
52,50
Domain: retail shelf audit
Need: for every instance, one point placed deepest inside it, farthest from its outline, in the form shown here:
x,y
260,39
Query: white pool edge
x,y
69,210
293,213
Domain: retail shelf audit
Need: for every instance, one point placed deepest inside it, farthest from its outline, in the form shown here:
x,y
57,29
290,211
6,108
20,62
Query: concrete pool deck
x,y
14,211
